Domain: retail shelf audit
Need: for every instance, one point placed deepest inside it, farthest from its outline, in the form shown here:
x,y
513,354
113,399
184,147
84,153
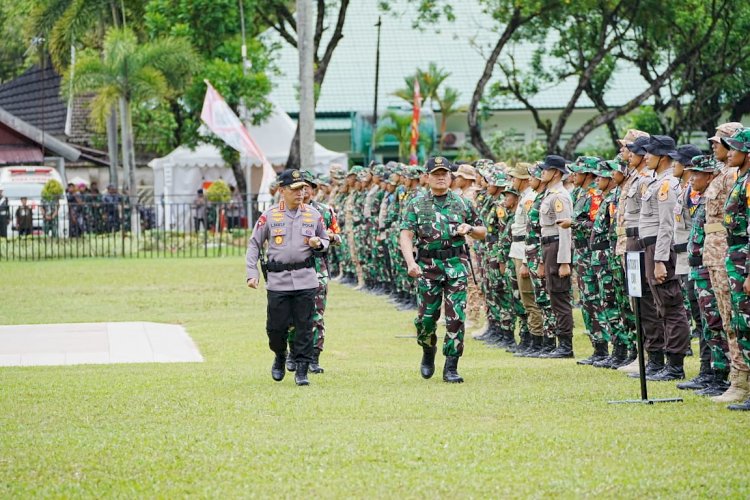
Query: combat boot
x,y
494,336
701,381
535,345
510,343
290,364
277,369
502,340
450,371
300,375
427,368
739,389
673,370
622,356
523,344
740,407
615,357
564,349
655,364
315,365
717,386
549,344
633,365
601,350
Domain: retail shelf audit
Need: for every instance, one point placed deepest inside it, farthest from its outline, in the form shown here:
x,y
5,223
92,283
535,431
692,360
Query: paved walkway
x,y
95,343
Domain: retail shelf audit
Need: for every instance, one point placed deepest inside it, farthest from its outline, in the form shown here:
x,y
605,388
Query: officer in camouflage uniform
x,y
711,381
439,220
736,222
586,199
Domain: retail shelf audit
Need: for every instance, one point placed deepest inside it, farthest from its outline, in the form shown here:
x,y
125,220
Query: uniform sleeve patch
x,y
261,220
664,191
559,206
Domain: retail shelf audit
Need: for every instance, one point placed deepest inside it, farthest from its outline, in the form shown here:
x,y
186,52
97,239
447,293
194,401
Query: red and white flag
x,y
415,124
222,121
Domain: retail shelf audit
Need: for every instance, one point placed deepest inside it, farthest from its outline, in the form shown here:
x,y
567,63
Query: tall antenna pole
x,y
377,85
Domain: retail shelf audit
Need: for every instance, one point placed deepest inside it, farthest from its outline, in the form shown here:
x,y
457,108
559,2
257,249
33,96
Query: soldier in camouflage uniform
x,y
374,267
361,232
711,380
412,176
439,220
737,224
586,200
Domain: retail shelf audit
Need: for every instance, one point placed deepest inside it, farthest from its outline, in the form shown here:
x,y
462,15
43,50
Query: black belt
x,y
277,267
631,232
519,238
648,241
600,245
440,254
681,248
736,240
695,260
579,244
549,239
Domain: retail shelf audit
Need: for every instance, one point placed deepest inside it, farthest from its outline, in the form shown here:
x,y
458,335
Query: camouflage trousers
x,y
430,295
712,327
359,251
589,292
607,312
494,287
400,278
541,295
346,264
735,262
720,283
475,297
627,315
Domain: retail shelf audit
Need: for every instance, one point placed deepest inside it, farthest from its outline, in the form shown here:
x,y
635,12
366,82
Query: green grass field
x,y
368,427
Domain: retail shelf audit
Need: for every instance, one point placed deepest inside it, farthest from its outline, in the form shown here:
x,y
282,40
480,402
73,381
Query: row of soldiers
x,y
686,212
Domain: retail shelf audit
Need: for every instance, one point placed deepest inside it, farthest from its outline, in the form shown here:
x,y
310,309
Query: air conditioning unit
x,y
454,140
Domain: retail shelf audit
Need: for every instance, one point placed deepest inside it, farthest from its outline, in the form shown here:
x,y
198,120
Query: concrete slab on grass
x,y
96,343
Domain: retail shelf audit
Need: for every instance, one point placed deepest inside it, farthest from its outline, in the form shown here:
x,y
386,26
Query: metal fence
x,y
62,231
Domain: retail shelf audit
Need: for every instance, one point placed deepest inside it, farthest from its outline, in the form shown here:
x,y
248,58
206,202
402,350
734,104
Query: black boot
x,y
523,344
495,335
548,345
535,345
701,381
564,349
315,365
617,356
300,375
502,341
740,407
510,344
290,364
672,371
718,385
601,350
427,368
277,368
450,371
655,364
487,331
621,356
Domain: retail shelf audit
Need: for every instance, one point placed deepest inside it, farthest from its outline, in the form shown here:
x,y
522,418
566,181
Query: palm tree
x,y
431,80
398,125
447,103
128,74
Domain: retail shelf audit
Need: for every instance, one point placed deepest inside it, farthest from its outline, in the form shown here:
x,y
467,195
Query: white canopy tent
x,y
182,172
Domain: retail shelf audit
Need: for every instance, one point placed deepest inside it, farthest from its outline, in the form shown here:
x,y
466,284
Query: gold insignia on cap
x,y
439,160
295,174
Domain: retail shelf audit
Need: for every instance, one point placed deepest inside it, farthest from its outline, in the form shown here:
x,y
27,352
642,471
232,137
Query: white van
x,y
28,181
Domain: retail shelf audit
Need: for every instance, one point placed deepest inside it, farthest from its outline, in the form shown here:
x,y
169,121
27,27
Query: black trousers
x,y
296,308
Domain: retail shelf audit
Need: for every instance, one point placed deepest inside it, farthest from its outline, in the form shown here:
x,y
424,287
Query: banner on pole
x,y
222,121
415,124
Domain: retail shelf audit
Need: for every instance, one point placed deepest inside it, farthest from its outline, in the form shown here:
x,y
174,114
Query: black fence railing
x,y
62,231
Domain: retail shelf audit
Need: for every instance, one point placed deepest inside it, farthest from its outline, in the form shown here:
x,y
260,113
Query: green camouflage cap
x,y
324,180
393,179
413,172
483,163
378,170
355,170
309,178
586,165
607,168
535,171
703,163
498,178
740,141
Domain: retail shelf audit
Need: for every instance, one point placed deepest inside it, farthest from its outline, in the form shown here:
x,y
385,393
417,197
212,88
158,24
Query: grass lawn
x,y
368,427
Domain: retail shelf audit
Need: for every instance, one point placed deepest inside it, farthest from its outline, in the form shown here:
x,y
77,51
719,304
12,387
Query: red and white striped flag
x,y
415,123
219,117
